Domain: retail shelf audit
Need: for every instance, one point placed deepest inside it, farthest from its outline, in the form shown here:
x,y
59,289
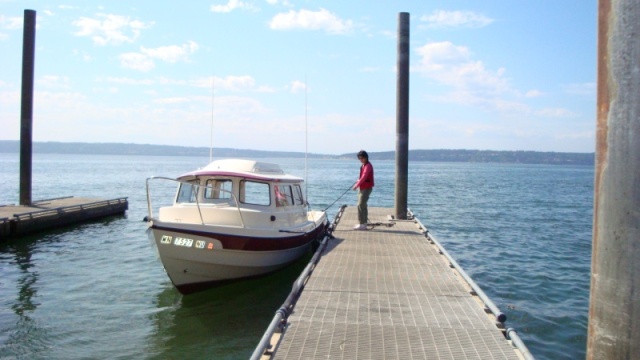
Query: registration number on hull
x,y
180,241
186,242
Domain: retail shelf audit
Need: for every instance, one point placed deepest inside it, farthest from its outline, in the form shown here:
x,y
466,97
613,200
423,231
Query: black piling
x,y
402,117
26,111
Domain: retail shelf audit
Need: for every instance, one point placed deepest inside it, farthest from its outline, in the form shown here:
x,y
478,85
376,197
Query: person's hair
x,y
363,154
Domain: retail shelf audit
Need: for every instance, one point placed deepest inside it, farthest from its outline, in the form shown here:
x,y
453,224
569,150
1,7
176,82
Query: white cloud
x,y
467,81
297,86
265,89
59,101
171,54
235,83
449,19
280,2
555,113
533,93
233,5
110,29
143,61
580,89
81,54
174,100
129,81
454,66
436,55
136,61
311,20
230,83
11,23
108,90
54,82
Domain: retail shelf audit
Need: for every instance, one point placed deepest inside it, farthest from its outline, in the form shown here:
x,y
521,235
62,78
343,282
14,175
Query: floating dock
x,y
391,292
19,220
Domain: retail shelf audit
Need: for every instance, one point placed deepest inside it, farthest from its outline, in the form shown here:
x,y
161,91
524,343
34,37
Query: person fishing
x,y
365,185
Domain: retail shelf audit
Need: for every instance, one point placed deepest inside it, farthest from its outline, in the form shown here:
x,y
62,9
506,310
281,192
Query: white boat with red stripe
x,y
232,220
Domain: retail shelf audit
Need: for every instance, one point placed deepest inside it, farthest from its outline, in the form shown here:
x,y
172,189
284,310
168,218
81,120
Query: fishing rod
x,y
340,196
369,223
213,96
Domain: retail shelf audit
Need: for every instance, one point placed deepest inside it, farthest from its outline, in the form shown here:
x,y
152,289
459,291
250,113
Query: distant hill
x,y
491,156
478,156
142,149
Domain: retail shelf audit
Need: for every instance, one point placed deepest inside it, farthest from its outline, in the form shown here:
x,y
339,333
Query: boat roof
x,y
251,169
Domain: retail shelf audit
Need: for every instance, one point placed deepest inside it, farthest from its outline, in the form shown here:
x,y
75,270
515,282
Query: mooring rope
x,y
325,209
372,224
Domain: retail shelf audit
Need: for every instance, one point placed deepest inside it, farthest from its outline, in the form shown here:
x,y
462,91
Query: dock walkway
x,y
18,220
388,293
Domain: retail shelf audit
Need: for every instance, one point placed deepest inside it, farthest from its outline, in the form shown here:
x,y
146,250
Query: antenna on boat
x,y
213,81
306,142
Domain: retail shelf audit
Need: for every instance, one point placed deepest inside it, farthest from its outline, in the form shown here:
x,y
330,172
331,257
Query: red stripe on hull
x,y
237,242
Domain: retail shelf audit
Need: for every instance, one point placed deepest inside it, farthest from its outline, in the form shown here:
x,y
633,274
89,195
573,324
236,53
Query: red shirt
x,y
366,176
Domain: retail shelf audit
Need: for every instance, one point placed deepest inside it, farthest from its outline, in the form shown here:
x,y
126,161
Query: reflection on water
x,y
19,274
221,323
26,291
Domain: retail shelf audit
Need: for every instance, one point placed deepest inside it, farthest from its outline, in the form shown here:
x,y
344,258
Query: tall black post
x,y
402,117
26,111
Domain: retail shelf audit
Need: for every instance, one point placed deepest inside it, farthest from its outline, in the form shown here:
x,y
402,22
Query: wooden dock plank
x,y
387,293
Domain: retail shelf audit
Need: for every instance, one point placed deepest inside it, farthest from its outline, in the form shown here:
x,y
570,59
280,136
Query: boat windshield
x,y
186,193
218,189
284,196
254,192
287,195
297,195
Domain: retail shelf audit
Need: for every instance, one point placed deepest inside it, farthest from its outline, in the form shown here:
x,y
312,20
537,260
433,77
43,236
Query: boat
x,y
234,219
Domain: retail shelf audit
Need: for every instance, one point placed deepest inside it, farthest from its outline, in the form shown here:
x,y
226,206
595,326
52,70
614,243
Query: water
x,y
96,290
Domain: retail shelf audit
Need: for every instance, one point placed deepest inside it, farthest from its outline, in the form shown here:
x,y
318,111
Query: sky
x,y
304,75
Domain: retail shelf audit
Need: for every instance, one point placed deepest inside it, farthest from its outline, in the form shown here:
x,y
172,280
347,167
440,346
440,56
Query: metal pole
x,y
402,117
26,111
614,307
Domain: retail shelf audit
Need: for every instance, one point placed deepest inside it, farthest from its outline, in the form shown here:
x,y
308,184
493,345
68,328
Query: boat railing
x,y
197,188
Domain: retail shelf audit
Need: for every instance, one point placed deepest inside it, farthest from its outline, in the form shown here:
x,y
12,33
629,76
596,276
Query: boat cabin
x,y
239,193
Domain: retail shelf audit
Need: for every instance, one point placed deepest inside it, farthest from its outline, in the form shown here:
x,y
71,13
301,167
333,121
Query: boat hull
x,y
197,258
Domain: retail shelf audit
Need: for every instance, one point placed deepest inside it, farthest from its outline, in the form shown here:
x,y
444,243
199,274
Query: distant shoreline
x,y
476,156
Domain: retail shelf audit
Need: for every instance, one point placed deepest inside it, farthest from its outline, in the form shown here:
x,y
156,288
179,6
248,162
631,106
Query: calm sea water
x,y
96,290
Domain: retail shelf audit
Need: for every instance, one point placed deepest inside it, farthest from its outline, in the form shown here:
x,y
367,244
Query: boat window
x,y
186,193
218,189
284,196
253,192
297,195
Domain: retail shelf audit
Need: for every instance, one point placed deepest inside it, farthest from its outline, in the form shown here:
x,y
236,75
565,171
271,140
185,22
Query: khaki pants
x,y
363,211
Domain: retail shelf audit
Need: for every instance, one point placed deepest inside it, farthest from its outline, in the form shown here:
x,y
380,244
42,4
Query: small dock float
x,y
18,220
391,292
